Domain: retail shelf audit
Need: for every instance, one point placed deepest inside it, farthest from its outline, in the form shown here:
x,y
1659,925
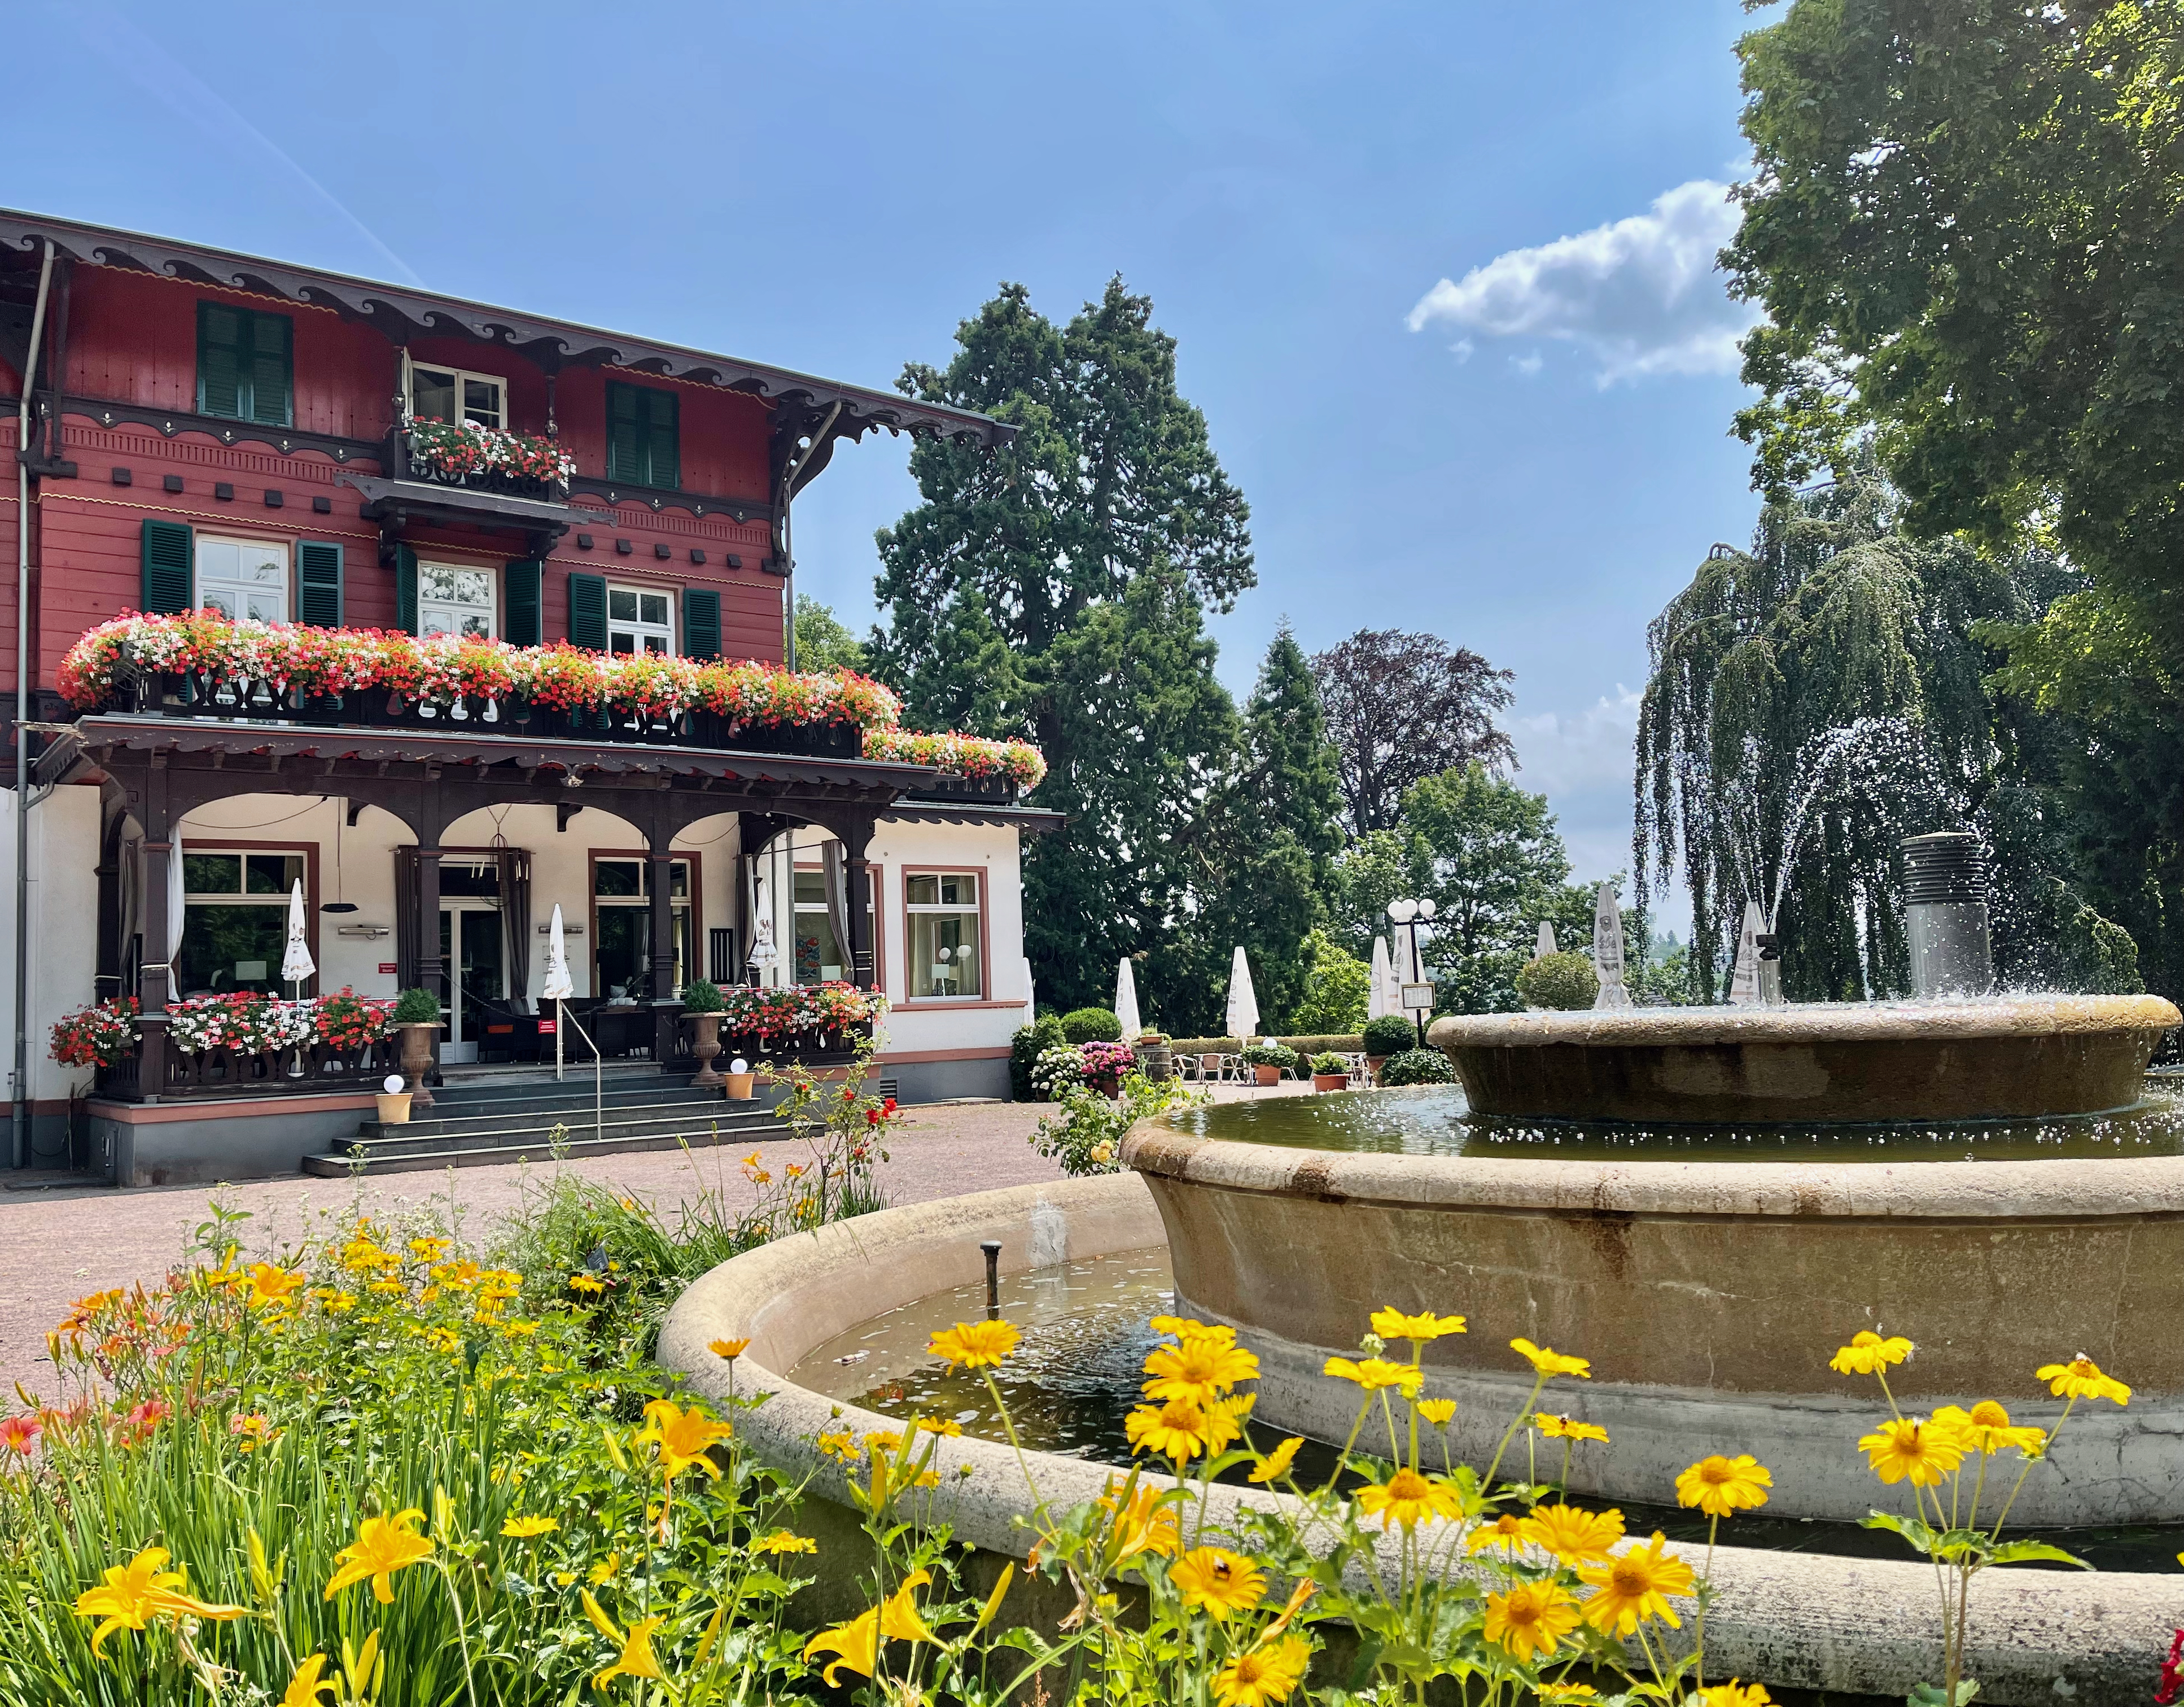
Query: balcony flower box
x,y
484,458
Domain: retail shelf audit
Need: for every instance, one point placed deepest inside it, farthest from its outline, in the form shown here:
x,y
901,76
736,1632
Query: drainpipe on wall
x,y
19,1084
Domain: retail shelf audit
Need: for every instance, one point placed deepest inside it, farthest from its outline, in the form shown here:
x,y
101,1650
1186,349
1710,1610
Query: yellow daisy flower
x,y
1722,1486
1867,1353
1986,1429
1574,1535
1530,1618
1635,1586
975,1345
1925,1451
1211,1579
1548,1361
1263,1675
1407,1497
2081,1379
1553,1427
1276,1463
1393,1324
1376,1373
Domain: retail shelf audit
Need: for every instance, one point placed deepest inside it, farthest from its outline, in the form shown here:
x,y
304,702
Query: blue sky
x,y
1439,272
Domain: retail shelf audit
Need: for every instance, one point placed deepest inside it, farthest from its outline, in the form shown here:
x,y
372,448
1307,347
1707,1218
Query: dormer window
x,y
449,394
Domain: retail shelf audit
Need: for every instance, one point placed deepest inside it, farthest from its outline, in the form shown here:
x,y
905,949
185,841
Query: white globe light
x,y
1426,907
1402,912
391,1085
739,1065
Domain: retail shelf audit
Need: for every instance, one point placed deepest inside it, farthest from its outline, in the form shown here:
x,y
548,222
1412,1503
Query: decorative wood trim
x,y
403,315
285,440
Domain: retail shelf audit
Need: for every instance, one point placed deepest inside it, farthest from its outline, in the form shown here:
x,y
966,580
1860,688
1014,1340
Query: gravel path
x,y
57,1245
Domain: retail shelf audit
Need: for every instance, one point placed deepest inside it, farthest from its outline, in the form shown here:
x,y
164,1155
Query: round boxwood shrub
x,y
1091,1026
1269,1054
1329,1062
1558,980
703,995
1418,1067
1389,1035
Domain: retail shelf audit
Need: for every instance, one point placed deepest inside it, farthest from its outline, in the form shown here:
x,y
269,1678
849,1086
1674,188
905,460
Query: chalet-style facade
x,y
212,433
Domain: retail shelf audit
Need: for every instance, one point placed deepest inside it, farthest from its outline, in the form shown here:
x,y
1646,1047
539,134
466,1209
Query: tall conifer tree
x,y
1056,590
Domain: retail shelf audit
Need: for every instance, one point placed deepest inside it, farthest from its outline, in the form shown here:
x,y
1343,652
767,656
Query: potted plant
x,y
736,1082
1104,1064
1329,1071
1268,1060
703,1004
416,1016
1389,1035
1155,1058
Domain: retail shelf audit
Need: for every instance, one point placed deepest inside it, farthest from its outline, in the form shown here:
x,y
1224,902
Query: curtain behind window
x,y
407,899
837,909
516,918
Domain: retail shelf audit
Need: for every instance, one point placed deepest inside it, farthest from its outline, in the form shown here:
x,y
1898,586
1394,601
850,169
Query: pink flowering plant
x,y
455,449
98,1036
962,755
242,1020
346,1021
1107,1060
802,1009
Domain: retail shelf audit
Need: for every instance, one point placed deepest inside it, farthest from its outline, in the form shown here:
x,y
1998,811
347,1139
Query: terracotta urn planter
x,y
705,1047
736,1087
393,1107
1107,1084
1330,1081
417,1060
1266,1075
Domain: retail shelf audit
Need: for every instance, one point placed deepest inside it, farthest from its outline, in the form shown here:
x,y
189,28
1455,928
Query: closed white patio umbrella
x,y
1243,999
1547,944
557,984
763,953
1744,981
177,889
296,962
1126,1000
1378,999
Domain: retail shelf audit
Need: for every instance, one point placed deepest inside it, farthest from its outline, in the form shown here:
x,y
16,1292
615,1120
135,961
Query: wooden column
x,y
667,1010
155,983
431,964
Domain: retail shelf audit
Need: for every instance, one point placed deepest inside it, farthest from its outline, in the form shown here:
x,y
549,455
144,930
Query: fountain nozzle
x,y
1945,915
992,1248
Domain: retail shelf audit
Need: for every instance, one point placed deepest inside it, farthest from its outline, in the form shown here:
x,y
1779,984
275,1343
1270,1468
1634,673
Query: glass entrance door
x,y
471,948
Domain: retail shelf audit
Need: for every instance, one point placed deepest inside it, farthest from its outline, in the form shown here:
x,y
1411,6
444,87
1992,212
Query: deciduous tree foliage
x,y
1404,706
1056,590
1965,229
1494,864
1814,701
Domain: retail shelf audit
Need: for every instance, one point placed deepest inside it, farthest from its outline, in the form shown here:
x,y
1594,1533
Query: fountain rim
x,y
1780,1611
1878,1022
1912,1190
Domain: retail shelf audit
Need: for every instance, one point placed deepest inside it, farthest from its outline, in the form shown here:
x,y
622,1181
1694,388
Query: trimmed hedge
x,y
1389,1034
1091,1026
1418,1067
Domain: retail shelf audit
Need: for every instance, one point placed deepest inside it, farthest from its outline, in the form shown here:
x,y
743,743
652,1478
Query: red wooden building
x,y
211,431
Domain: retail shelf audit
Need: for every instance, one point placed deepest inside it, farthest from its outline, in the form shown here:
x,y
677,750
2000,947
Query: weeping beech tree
x,y
1817,698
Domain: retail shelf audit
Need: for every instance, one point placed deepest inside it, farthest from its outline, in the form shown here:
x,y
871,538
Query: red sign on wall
x,y
547,1028
388,967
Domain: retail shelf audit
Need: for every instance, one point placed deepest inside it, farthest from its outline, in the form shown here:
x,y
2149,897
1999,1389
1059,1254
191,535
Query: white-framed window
x,y
449,394
455,600
941,920
640,619
242,577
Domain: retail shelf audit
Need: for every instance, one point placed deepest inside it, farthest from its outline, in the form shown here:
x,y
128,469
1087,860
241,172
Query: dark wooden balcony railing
x,y
232,1073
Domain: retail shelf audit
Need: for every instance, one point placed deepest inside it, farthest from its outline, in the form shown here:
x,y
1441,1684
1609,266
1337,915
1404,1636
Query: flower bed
x,y
246,1021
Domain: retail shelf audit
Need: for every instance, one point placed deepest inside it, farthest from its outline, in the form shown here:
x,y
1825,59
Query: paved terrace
x,y
62,1242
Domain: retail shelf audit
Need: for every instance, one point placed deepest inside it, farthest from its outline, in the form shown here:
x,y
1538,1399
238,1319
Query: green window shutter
x,y
246,367
272,369
625,434
523,579
222,349
405,590
319,583
662,446
169,554
587,611
701,622
643,439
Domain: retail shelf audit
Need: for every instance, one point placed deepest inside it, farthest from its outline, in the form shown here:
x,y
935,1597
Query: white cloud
x,y
1581,753
1460,350
1641,296
1528,365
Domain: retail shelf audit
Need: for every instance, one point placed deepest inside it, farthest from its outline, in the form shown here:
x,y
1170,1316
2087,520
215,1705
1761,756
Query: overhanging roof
x,y
1032,820
403,313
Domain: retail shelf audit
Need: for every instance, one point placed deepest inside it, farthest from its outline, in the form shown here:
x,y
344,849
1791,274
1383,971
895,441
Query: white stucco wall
x,y
357,864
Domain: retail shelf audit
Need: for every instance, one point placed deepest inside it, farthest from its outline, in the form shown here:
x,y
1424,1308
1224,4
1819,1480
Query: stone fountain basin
x,y
1850,1626
1709,1298
2014,1059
